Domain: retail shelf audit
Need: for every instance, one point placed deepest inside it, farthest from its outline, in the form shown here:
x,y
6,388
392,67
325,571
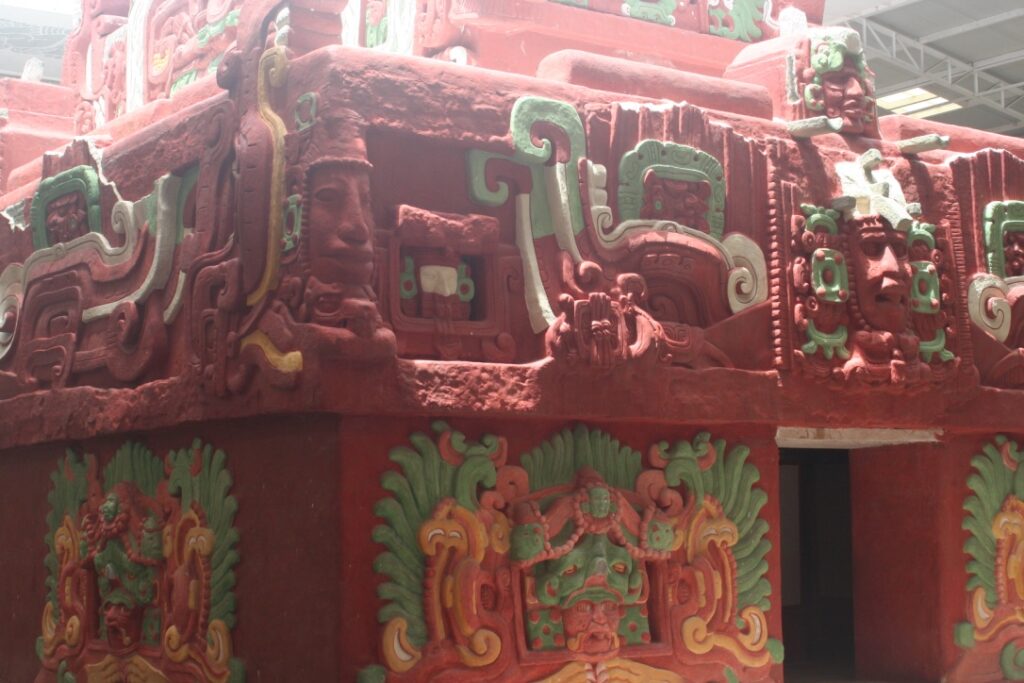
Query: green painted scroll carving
x,y
549,212
658,11
736,19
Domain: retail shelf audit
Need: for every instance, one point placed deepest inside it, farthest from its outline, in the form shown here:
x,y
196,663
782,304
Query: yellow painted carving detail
x,y
273,73
73,631
500,530
484,648
49,629
699,640
285,362
455,528
218,644
710,526
457,541
66,546
399,654
1008,529
756,636
175,649
114,670
612,671
981,614
453,533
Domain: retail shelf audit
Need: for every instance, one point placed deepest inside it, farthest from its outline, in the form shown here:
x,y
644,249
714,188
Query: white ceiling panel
x,y
971,52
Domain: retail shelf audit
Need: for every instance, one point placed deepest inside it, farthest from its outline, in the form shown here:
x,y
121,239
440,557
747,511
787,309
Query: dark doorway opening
x,y
817,575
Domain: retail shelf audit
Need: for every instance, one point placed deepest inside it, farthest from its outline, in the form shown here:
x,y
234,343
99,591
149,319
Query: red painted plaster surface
x,y
308,252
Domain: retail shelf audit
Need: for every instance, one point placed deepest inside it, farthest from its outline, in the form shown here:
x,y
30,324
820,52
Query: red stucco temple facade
x,y
452,341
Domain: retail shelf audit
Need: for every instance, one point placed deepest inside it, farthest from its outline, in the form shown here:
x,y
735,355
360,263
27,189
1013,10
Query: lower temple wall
x,y
305,597
284,477
320,502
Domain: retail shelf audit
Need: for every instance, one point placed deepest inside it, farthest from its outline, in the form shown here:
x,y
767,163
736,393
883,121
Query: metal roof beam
x,y
870,11
972,26
1000,60
935,67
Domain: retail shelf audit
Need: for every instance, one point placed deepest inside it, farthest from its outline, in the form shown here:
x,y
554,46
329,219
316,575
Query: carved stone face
x,y
110,507
65,218
1013,252
844,96
592,584
340,225
591,627
599,502
124,625
682,201
882,272
340,249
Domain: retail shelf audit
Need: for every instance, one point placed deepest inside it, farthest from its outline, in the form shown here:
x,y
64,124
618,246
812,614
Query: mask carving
x,y
837,82
843,95
580,562
142,564
1013,253
66,218
329,278
882,273
683,201
869,283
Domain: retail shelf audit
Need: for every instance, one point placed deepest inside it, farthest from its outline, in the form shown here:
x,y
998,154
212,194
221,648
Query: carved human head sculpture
x,y
340,228
335,261
66,218
838,83
591,584
588,580
123,540
843,94
682,201
881,273
1013,252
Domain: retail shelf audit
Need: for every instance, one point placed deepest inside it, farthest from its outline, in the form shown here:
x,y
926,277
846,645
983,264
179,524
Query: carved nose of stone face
x,y
854,89
889,264
353,229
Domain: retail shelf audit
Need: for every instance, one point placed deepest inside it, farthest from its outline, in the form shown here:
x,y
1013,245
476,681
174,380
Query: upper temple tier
x,y
244,201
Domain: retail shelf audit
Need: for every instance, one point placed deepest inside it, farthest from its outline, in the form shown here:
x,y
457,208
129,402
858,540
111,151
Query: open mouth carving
x,y
891,298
